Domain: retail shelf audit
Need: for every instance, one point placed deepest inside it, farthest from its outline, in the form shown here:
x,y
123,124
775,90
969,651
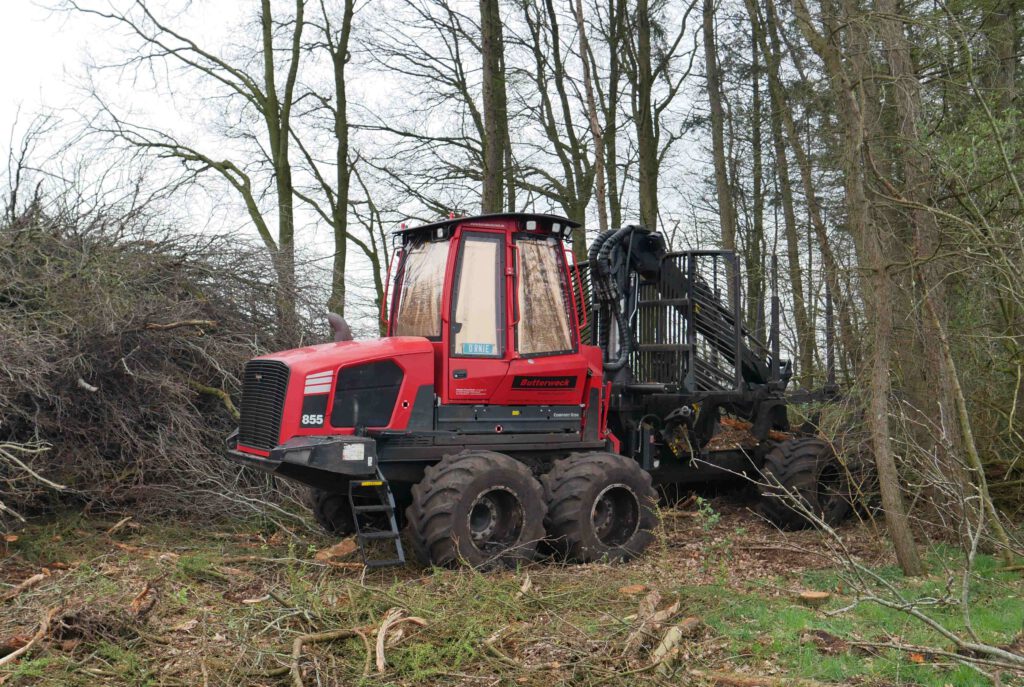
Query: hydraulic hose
x,y
608,291
598,293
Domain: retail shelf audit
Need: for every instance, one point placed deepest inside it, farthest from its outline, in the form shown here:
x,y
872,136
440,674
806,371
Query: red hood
x,y
332,355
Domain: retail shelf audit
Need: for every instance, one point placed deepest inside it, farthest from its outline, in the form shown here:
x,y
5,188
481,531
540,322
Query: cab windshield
x,y
420,287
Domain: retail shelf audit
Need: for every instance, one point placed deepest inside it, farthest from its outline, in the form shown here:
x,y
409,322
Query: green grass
x,y
762,627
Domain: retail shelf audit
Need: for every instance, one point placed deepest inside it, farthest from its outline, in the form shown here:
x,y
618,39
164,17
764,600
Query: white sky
x,y
37,47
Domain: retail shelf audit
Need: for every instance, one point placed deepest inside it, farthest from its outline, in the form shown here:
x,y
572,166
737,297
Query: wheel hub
x,y
615,515
495,519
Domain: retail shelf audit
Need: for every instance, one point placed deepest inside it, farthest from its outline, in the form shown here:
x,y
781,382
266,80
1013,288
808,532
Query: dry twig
x,y
393,618
25,584
44,627
302,640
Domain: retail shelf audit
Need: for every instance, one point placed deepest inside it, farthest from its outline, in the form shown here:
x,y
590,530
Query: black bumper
x,y
321,462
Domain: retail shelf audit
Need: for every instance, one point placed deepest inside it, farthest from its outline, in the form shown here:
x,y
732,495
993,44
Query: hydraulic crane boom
x,y
674,345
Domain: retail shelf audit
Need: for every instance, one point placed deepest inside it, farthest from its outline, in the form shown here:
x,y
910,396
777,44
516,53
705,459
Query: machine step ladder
x,y
373,512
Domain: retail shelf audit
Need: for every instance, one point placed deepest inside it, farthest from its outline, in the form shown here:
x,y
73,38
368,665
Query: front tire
x,y
600,507
480,507
805,473
333,511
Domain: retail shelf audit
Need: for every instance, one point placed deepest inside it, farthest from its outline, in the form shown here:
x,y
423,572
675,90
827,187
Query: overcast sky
x,y
36,49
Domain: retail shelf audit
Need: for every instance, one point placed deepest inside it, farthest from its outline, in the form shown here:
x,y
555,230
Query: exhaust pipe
x,y
342,332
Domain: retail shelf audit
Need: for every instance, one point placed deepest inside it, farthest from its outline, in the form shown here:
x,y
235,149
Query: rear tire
x,y
601,506
806,469
480,507
333,511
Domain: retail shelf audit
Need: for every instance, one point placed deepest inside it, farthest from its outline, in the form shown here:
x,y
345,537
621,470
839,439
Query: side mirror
x,y
342,332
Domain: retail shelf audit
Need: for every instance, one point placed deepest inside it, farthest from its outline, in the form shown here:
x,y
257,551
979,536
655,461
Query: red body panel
x,y
414,355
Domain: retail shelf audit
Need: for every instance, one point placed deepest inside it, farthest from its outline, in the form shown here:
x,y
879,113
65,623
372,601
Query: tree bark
x,y
596,134
754,252
647,144
872,251
726,212
339,59
616,34
495,106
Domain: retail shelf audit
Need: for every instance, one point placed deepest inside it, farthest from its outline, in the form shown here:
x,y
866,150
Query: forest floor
x,y
186,603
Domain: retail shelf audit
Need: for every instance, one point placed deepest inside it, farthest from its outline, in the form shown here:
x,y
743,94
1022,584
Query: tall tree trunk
x,y
575,187
596,134
647,144
1001,27
616,34
726,212
339,208
872,252
277,117
783,118
804,332
495,108
754,253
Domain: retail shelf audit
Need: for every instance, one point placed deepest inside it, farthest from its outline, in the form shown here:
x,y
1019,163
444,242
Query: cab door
x,y
547,368
477,333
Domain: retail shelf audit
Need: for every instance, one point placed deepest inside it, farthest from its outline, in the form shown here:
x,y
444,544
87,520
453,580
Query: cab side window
x,y
544,327
421,285
477,315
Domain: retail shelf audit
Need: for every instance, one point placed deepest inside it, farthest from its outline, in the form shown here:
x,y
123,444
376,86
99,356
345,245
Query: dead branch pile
x,y
121,343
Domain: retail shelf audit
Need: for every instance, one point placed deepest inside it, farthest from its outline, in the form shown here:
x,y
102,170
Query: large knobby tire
x,y
480,508
601,506
805,473
333,511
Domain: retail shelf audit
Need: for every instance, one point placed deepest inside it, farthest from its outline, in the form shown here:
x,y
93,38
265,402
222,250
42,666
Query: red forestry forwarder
x,y
520,398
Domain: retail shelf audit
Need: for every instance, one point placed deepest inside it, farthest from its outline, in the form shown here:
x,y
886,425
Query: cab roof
x,y
556,224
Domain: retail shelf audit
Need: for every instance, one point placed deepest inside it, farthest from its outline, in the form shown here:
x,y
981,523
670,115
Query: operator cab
x,y
500,298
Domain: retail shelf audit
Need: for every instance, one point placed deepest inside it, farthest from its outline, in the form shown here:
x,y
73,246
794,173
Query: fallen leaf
x,y
916,657
340,550
633,589
186,626
143,601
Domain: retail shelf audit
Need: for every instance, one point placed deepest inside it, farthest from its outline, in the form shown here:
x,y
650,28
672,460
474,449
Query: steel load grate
x,y
263,390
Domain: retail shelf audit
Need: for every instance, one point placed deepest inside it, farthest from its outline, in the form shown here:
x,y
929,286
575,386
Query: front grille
x,y
263,390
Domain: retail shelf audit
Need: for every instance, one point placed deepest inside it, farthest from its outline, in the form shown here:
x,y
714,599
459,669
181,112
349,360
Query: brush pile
x,y
121,343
